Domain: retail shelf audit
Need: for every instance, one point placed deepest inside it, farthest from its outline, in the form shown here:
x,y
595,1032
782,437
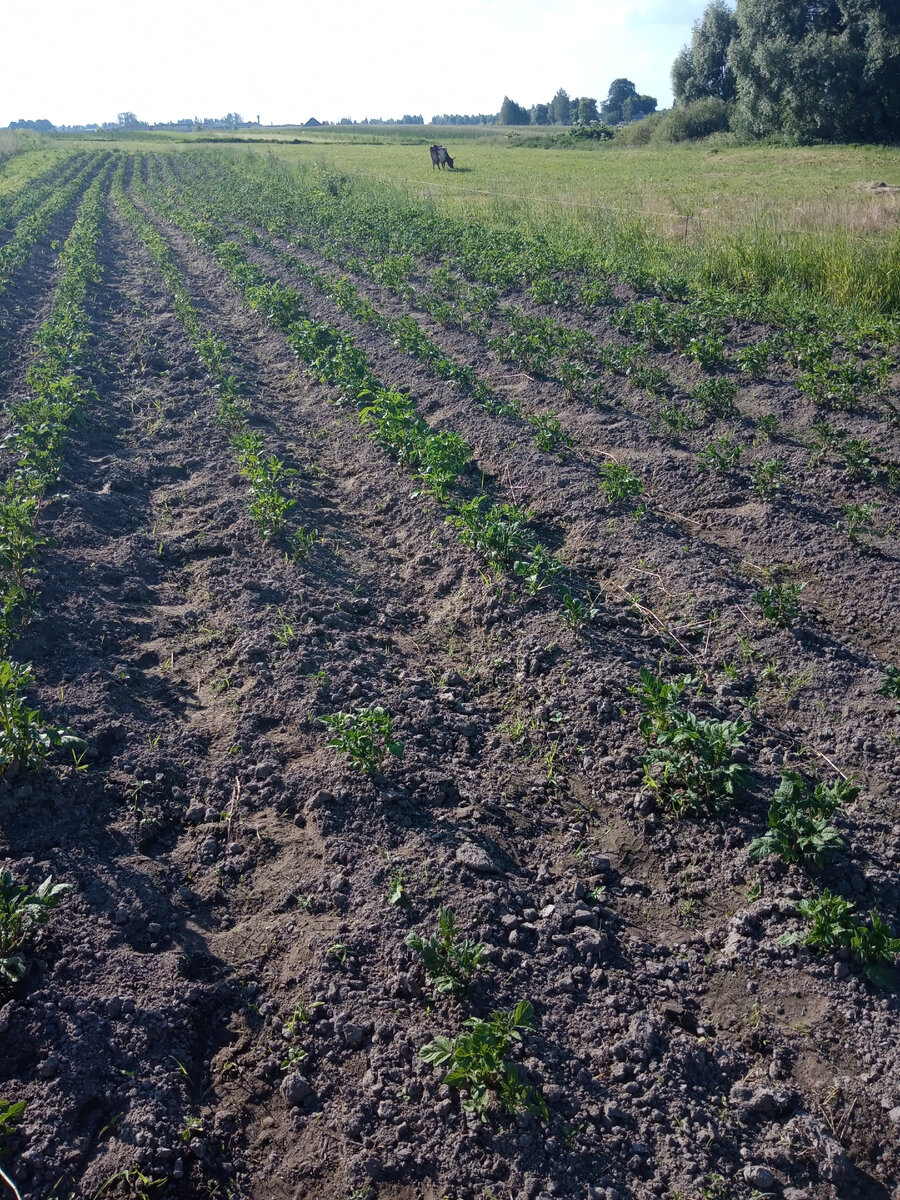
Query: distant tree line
x,y
41,126
466,119
406,119
127,122
622,105
813,70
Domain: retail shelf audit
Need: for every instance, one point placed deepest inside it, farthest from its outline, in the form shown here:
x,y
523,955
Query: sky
x,y
88,60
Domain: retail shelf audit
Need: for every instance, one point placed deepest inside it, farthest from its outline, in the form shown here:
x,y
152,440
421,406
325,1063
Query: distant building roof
x,y
310,123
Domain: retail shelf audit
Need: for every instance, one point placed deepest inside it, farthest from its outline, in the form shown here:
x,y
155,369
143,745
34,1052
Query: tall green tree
x,y
587,110
702,69
513,114
818,69
560,108
620,90
624,104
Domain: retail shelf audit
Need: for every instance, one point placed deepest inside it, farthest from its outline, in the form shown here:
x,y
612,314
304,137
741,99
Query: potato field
x,y
449,702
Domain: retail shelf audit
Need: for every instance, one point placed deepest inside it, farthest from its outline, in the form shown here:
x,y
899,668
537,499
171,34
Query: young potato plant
x,y
779,602
618,482
754,359
799,821
498,533
721,454
549,434
838,385
767,478
11,1112
690,761
365,737
679,418
857,520
577,612
450,961
20,911
890,684
717,396
478,1062
539,571
833,924
766,427
26,738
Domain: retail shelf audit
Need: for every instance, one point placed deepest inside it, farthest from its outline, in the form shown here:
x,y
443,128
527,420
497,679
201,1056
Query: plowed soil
x,y
224,1004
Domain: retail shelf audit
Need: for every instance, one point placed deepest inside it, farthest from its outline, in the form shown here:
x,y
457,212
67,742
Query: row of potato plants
x,y
57,389
656,323
34,225
269,502
696,765
616,480
574,357
721,454
797,826
692,765
408,336
348,210
498,532
33,192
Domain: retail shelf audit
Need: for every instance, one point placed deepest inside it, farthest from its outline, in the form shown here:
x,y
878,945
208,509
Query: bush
x,y
595,130
639,133
698,119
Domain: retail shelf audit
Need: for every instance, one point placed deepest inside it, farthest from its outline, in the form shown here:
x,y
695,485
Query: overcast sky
x,y
77,61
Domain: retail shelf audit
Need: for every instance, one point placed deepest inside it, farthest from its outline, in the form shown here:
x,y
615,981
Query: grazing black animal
x,y
440,158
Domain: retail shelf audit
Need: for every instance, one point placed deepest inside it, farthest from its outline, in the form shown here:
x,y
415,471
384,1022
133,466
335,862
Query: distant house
x,y
311,123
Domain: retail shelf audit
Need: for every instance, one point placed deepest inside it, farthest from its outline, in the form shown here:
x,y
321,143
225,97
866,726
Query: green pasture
x,y
797,189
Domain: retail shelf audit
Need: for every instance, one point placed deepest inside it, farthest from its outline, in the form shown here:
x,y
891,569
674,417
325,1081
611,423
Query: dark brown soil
x,y
230,878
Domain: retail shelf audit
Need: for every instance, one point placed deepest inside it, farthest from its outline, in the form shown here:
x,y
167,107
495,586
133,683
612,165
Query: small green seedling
x,y
538,571
549,433
857,520
752,360
824,439
20,912
890,684
721,454
779,602
11,1112
618,482
365,737
396,891
577,612
478,1062
717,396
451,962
767,477
766,427
690,761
